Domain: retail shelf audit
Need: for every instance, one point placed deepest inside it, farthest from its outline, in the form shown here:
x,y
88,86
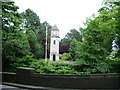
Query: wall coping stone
x,y
25,68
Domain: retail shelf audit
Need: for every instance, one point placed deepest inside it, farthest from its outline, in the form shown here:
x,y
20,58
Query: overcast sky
x,y
66,14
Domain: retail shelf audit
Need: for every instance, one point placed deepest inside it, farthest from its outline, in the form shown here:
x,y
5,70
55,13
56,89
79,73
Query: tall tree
x,y
35,31
14,41
73,49
69,37
73,34
117,18
98,36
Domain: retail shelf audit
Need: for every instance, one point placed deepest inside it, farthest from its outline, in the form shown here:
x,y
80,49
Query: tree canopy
x,y
65,42
35,32
73,34
98,36
14,42
33,29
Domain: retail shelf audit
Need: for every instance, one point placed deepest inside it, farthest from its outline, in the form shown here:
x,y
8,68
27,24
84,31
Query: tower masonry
x,y
54,44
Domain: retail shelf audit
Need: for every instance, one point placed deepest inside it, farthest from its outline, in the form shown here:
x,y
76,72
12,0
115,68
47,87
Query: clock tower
x,y
54,44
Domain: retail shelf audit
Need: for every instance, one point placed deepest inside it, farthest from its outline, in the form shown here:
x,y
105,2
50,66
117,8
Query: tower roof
x,y
55,28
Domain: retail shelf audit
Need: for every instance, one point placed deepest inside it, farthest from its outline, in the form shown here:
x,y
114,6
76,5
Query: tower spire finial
x,y
55,27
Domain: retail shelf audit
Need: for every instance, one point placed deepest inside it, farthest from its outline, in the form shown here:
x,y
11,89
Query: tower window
x,y
54,42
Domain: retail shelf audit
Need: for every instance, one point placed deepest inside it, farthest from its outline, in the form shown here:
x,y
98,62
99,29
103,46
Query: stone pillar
x,y
24,75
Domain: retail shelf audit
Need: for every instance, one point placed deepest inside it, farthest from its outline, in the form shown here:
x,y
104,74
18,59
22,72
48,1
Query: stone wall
x,y
28,76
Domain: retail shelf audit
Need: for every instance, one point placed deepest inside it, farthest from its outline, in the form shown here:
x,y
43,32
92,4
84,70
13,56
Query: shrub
x,y
45,67
21,62
66,56
41,66
115,64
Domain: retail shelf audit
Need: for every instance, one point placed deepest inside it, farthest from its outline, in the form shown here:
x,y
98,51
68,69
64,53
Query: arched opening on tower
x,y
54,57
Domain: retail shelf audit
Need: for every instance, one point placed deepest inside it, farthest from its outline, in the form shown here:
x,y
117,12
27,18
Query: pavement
x,y
14,86
6,87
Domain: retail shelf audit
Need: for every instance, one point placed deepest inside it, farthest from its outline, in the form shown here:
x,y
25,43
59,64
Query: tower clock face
x,y
54,33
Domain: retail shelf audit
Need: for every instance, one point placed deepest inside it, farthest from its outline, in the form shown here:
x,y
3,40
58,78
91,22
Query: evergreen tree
x,y
35,31
14,42
73,34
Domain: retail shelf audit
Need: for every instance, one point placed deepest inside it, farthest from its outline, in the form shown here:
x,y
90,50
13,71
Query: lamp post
x,y
46,43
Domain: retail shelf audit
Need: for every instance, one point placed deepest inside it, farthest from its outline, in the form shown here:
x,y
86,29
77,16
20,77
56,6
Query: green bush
x,y
41,66
21,62
115,65
66,56
64,70
60,67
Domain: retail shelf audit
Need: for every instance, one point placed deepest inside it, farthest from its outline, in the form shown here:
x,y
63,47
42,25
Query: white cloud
x,y
66,14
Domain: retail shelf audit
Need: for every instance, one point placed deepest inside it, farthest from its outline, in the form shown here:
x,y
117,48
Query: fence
x,y
27,76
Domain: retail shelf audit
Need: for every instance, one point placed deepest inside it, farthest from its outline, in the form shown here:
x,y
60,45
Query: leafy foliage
x,y
25,61
43,67
14,42
66,56
73,48
73,34
65,42
34,30
92,54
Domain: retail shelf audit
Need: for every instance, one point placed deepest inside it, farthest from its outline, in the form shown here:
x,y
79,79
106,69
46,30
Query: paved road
x,y
6,87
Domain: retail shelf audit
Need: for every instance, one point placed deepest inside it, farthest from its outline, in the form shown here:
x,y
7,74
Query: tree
x,y
64,48
14,42
116,11
73,49
73,34
35,31
100,32
65,43
38,30
31,20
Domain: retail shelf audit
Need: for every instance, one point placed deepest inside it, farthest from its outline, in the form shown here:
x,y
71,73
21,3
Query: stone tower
x,y
54,44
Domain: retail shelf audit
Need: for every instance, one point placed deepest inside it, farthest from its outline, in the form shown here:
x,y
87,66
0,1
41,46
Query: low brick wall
x,y
28,76
9,77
